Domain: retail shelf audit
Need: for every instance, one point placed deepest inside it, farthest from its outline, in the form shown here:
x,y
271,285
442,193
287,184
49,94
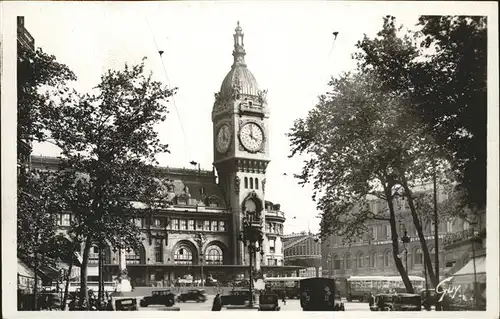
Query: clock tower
x,y
240,119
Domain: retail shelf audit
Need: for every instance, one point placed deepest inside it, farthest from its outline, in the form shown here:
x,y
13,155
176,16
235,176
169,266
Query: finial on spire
x,y
239,47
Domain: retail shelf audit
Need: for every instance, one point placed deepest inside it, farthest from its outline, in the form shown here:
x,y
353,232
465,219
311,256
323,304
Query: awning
x,y
23,270
92,271
466,274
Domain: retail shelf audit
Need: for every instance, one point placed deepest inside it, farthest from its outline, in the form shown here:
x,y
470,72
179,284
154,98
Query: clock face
x,y
252,137
223,138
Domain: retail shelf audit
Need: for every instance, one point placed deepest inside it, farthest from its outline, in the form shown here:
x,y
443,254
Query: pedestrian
x,y
284,298
217,305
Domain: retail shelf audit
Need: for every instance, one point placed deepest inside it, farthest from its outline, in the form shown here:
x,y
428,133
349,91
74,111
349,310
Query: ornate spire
x,y
239,47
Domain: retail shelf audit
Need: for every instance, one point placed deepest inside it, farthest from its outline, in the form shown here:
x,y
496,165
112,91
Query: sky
x,y
290,50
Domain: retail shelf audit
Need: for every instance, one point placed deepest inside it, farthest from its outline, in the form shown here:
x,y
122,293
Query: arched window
x,y
246,182
418,256
214,255
251,183
348,264
256,183
466,225
432,254
336,262
387,259
361,260
183,256
373,260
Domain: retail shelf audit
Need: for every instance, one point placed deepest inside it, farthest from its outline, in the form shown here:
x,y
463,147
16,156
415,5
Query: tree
x,y
108,146
40,78
36,222
451,96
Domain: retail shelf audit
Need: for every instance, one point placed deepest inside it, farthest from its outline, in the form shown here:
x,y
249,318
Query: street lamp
x,y
201,239
405,240
250,236
473,240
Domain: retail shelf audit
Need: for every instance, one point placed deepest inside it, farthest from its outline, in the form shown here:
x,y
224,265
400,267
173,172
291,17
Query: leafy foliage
x,y
40,78
108,145
36,218
451,96
365,141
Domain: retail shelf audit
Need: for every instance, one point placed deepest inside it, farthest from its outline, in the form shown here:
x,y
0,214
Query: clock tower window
x,y
246,182
256,183
251,183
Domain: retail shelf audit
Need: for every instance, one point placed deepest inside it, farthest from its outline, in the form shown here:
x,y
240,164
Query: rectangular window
x,y
66,220
157,222
206,226
138,222
176,224
388,231
158,250
268,228
214,226
183,224
374,233
449,226
272,245
199,225
191,224
222,225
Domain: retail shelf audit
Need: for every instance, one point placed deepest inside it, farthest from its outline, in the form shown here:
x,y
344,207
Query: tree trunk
x,y
418,227
395,244
35,286
83,272
66,288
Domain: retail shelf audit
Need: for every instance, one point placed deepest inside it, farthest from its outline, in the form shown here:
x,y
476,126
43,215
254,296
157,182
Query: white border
x,y
10,9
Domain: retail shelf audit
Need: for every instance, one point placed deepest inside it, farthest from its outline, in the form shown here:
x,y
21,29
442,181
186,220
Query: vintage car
x,y
197,295
268,302
159,297
319,294
429,298
383,302
237,297
126,304
407,302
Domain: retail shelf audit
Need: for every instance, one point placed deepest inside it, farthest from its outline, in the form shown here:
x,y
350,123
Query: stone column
x,y
122,262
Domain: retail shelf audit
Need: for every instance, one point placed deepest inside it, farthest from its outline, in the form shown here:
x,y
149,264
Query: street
x,y
291,305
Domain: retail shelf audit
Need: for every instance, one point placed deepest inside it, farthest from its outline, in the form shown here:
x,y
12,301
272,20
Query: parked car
x,y
237,297
407,302
159,297
197,295
383,302
268,302
126,304
429,298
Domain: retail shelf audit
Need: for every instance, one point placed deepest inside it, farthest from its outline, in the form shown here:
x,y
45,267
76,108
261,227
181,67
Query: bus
x,y
283,285
360,287
319,294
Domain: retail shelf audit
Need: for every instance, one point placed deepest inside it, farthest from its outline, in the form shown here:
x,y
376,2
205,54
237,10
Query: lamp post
x,y
250,236
405,239
473,240
201,239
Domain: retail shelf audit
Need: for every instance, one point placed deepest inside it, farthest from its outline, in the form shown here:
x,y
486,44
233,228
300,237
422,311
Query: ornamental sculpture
x,y
237,185
262,96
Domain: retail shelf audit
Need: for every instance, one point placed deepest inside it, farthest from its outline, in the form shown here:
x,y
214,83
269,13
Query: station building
x,y
371,254
210,202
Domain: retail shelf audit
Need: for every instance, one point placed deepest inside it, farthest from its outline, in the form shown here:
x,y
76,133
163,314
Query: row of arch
x,y
375,259
251,183
183,253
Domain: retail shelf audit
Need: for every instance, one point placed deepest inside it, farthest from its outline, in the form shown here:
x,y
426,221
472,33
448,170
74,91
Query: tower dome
x,y
239,79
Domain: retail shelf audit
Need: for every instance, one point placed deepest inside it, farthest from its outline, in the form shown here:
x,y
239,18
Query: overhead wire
x,y
160,53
